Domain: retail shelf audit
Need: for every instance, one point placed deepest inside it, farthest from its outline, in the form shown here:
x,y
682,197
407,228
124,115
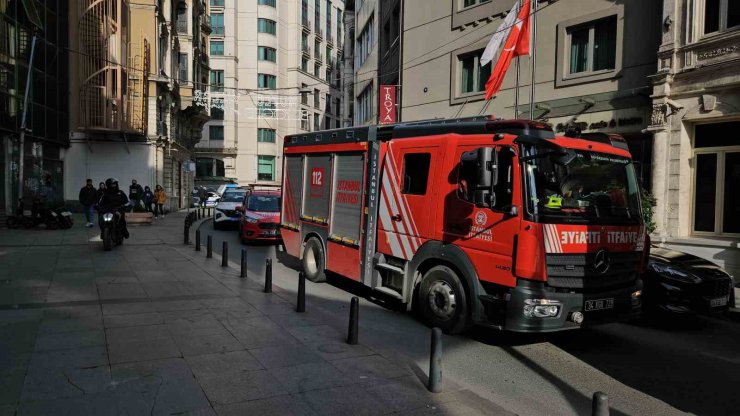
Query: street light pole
x,y
22,140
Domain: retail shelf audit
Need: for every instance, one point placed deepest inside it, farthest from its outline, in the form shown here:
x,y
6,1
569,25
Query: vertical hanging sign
x,y
387,104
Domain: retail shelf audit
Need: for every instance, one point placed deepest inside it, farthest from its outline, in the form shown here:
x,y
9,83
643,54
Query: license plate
x,y
271,233
599,304
715,303
67,214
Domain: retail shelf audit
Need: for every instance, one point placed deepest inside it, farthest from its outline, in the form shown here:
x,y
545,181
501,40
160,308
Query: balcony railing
x,y
205,23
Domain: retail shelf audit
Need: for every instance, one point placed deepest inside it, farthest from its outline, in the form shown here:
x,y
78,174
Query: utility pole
x,y
534,59
22,140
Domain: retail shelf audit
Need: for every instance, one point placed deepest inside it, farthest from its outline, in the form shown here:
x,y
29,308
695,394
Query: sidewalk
x,y
155,327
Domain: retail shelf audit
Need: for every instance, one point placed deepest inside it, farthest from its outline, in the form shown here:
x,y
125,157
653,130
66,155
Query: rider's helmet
x,y
111,185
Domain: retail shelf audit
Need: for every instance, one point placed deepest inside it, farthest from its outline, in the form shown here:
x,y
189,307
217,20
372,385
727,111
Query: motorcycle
x,y
57,218
111,229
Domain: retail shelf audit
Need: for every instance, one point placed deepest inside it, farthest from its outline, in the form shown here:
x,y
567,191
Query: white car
x,y
226,212
211,200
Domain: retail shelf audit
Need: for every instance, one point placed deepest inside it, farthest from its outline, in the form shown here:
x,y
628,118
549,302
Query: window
x,y
217,24
217,3
304,64
317,49
415,173
266,54
470,3
304,12
327,100
328,55
473,77
270,3
337,123
317,70
265,168
316,122
364,43
316,98
593,46
266,109
365,105
304,43
305,117
217,81
328,74
339,26
328,17
266,135
183,67
317,14
217,108
327,122
716,175
215,132
337,106
721,15
266,81
182,20
217,47
304,94
266,26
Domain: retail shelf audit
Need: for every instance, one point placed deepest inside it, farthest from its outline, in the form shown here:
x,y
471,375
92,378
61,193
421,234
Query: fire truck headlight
x,y
541,308
636,298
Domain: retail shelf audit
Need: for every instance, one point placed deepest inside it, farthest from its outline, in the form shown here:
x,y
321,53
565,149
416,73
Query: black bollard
x,y
197,240
354,312
225,254
268,276
186,235
209,247
301,306
197,212
600,404
243,272
435,361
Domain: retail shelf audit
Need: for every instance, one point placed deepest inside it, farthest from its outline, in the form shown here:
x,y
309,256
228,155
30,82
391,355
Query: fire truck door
x,y
407,194
486,234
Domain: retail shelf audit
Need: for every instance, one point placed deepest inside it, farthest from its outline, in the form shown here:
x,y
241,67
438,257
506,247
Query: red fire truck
x,y
471,221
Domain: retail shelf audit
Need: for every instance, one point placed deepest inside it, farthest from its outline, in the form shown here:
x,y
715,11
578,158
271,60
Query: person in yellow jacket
x,y
160,197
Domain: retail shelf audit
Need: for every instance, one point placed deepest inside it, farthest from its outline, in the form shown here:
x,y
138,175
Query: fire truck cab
x,y
471,221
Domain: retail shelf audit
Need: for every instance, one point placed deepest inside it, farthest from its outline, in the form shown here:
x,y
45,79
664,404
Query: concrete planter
x,y
139,218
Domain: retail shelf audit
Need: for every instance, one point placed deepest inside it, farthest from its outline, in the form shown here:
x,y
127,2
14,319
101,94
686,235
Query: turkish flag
x,y
517,43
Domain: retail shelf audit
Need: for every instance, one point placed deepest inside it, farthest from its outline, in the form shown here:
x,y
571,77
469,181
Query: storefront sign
x,y
387,104
713,53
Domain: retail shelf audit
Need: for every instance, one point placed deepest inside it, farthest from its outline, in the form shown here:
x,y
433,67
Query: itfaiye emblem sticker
x,y
481,218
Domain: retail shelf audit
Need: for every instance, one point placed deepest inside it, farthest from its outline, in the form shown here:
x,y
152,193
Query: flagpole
x,y
534,58
516,93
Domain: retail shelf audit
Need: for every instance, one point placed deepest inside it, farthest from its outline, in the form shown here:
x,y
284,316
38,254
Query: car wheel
x,y
314,261
443,302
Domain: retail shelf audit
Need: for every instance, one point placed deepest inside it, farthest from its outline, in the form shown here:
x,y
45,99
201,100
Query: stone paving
x,y
154,327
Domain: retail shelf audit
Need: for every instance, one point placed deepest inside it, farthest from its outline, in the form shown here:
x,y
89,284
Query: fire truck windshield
x,y
263,203
580,187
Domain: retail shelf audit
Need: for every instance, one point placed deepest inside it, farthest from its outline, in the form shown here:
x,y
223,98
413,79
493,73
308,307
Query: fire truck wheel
x,y
443,301
314,261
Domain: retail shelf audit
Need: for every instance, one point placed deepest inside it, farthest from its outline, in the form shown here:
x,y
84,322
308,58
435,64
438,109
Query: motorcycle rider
x,y
113,199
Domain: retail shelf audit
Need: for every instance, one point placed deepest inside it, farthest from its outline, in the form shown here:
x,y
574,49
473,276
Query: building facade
x,y
590,74
696,111
274,71
133,103
47,129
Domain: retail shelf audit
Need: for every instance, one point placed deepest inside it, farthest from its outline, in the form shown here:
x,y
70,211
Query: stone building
x,y
695,122
274,72
132,107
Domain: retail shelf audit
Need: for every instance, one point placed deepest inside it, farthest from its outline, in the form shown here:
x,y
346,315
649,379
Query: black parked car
x,y
682,283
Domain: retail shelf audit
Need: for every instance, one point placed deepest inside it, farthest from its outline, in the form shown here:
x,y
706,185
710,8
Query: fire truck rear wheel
x,y
314,261
443,301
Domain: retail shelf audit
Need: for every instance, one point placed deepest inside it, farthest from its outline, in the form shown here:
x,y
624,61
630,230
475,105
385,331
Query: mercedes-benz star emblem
x,y
601,261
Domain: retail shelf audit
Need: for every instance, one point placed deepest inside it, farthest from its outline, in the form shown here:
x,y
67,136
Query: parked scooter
x,y
111,229
57,218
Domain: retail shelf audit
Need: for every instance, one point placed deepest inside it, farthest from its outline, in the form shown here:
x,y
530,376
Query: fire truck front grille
x,y
269,225
577,271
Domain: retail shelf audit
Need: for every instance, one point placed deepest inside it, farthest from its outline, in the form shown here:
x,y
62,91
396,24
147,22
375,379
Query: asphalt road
x,y
646,369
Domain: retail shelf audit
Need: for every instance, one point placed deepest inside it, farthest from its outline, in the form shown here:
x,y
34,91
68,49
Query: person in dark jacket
x,y
148,198
203,196
99,193
135,193
88,199
113,199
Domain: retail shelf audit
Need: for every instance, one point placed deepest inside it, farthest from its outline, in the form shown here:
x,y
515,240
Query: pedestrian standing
x,y
148,199
100,192
203,196
88,199
135,193
160,197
